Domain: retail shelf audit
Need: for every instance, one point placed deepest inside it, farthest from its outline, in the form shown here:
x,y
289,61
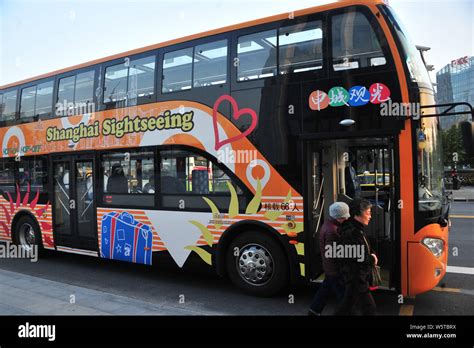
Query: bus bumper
x,y
425,270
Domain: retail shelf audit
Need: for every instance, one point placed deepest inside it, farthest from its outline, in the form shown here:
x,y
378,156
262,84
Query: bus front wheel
x,y
257,264
27,234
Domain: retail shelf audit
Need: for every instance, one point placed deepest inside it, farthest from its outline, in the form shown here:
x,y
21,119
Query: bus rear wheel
x,y
27,234
257,264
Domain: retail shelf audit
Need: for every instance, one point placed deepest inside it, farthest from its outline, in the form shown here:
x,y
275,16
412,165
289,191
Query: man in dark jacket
x,y
356,266
117,182
328,237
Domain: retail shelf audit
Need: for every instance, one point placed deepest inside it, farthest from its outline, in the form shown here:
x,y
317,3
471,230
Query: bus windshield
x,y
430,166
416,67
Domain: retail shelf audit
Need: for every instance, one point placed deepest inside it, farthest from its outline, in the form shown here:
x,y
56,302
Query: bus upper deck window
x,y
257,56
27,103
66,91
84,87
141,78
354,42
1,107
210,64
115,83
44,96
177,70
300,47
127,82
9,103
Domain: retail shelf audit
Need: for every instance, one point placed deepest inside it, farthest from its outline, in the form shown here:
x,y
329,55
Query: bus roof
x,y
320,8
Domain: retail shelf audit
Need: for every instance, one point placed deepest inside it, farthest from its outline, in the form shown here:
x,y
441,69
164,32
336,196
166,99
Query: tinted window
x,y
177,70
210,64
32,171
300,47
354,43
27,103
9,101
84,92
7,174
129,178
115,85
257,55
186,177
44,98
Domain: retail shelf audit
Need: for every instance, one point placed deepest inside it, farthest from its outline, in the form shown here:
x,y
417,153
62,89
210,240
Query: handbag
x,y
375,277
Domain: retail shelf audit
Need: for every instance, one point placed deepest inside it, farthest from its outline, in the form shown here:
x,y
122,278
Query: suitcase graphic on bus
x,y
125,239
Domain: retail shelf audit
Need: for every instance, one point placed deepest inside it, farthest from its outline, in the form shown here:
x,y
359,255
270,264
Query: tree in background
x,y
452,143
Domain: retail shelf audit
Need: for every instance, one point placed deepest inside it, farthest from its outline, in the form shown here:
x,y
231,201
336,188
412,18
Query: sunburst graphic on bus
x,y
12,206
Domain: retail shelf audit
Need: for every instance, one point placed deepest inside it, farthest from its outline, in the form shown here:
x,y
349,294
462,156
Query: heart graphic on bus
x,y
236,114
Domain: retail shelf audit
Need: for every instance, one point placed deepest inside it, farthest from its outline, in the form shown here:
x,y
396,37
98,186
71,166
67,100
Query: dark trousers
x,y
331,284
354,299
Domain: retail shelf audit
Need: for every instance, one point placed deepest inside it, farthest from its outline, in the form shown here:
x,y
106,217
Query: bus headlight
x,y
435,245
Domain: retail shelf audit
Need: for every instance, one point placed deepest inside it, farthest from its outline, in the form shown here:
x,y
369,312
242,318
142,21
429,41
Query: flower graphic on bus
x,y
291,228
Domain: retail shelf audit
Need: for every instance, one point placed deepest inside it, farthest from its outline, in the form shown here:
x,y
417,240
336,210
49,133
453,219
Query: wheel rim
x,y
27,236
255,265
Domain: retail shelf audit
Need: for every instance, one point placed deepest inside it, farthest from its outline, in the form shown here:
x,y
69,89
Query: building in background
x,y
456,84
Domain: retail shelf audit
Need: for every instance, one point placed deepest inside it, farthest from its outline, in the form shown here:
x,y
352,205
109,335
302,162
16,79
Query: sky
x,y
39,36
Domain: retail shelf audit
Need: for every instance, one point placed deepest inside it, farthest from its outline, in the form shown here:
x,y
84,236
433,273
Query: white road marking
x,y
462,270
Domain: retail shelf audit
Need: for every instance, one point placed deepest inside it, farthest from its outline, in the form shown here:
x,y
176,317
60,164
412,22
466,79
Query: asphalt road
x,y
462,235
199,292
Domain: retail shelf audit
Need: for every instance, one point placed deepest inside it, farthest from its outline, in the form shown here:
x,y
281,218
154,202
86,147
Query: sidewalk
x,y
465,194
22,294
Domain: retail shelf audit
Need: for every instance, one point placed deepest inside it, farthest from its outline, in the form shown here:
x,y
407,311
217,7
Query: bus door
x,y
314,208
345,169
374,169
74,202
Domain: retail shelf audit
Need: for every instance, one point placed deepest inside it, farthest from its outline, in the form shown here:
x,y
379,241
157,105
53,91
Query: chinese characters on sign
x,y
356,96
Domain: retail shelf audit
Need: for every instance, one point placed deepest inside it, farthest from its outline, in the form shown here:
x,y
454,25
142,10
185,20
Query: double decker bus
x,y
227,148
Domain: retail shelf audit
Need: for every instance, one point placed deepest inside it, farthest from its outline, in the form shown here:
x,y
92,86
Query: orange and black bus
x,y
227,147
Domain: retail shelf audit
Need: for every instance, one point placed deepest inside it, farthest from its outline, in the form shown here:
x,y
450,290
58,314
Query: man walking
x,y
328,236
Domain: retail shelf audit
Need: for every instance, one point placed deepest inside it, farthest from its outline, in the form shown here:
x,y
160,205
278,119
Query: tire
x,y
27,234
261,267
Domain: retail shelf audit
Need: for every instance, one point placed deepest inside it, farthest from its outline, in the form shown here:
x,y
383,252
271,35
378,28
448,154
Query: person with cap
x,y
328,237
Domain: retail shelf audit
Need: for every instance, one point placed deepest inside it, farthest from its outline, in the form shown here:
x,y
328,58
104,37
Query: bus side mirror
x,y
467,131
